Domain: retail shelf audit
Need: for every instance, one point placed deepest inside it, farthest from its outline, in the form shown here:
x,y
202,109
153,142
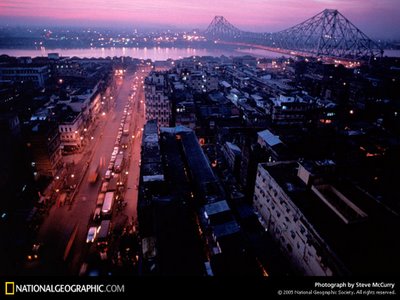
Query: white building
x,y
71,131
284,206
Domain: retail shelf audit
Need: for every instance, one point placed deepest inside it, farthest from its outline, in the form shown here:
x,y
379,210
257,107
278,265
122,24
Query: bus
x,y
108,203
104,232
119,161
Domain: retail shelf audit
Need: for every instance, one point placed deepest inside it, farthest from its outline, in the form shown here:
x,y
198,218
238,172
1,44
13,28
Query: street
x,y
68,225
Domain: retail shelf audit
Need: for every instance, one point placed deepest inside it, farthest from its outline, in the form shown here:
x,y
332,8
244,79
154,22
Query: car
x,y
83,269
104,186
92,233
97,214
113,157
110,166
34,253
108,174
103,255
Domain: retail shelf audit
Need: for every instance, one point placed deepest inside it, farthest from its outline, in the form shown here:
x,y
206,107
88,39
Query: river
x,y
156,53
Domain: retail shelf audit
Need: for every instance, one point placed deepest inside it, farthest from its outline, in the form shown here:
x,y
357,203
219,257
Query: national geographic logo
x,y
9,288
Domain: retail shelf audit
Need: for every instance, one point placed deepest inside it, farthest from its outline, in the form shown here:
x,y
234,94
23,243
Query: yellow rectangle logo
x,y
9,288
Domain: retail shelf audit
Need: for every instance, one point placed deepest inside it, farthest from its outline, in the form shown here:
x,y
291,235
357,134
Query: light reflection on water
x,y
154,53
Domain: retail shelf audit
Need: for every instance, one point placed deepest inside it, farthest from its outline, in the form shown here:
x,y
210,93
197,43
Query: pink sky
x,y
374,17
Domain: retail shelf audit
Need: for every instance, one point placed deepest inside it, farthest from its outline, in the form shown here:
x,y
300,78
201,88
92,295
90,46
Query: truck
x,y
93,174
113,184
124,142
100,199
126,129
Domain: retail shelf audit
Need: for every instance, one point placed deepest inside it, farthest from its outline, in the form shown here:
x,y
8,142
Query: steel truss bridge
x,y
328,35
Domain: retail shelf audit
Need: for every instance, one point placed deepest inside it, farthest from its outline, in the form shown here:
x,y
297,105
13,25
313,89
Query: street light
x,y
72,175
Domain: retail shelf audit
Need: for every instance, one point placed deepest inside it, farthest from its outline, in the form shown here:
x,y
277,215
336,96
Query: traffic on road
x,y
99,225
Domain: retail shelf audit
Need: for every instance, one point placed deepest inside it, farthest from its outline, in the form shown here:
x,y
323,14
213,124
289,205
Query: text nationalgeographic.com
x,y
12,288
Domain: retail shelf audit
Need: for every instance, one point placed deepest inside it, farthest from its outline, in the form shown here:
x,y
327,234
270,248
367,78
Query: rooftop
x,y
151,168
202,174
225,84
269,137
226,229
233,147
216,207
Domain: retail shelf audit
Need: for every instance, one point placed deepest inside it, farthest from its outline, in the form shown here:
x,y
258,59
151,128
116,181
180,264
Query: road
x,y
57,228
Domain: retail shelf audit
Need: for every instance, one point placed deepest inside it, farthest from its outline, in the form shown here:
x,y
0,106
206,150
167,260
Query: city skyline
x,y
253,15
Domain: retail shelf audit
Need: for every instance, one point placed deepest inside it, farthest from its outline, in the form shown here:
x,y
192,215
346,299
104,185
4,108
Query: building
x,y
324,225
158,105
43,140
233,157
151,168
162,65
37,74
185,114
71,131
290,110
205,182
203,82
152,183
10,124
87,101
273,147
53,56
